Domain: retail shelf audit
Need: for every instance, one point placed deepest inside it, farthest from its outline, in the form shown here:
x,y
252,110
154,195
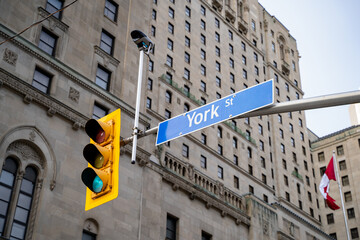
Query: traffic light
x,y
102,154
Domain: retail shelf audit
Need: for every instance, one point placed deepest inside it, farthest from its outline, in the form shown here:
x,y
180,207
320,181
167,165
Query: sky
x,y
327,33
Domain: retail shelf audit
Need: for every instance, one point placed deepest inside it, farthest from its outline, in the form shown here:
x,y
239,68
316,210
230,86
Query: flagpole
x,y
341,196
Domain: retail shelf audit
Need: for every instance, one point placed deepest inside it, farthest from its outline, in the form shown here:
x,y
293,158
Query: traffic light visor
x,y
96,155
98,131
95,181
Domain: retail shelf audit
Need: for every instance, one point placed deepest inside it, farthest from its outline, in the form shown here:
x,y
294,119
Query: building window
x,y
187,57
236,182
186,107
203,86
168,96
41,80
220,172
218,82
99,111
218,66
153,31
186,90
148,102
235,160
351,213
287,196
231,36
170,44
342,165
282,148
111,9
167,114
244,74
188,11
345,180
348,197
354,233
263,178
219,132
284,164
300,122
203,54
150,84
231,49
247,135
279,118
186,74
217,37
231,62
273,46
205,236
185,150
261,145
203,138
220,149
170,28
217,23
250,169
297,185
187,42
153,14
187,26
169,61
171,223
107,42
286,181
256,70
19,219
340,150
235,142
243,59
151,66
203,70
321,157
203,10
103,78
292,142
262,162
203,161
253,25
232,78
47,42
171,13
217,51
53,6
266,199
203,24
330,218
203,39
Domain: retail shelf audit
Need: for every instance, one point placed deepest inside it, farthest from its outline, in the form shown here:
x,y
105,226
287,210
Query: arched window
x,y
7,182
23,205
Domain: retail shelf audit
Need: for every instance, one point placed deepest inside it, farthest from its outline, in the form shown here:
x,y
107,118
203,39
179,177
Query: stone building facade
x,y
246,178
346,146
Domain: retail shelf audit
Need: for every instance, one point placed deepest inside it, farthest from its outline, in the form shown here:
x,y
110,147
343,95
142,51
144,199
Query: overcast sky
x,y
327,33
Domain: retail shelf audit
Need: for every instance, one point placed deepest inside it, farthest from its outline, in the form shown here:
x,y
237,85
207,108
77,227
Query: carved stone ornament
x,y
10,57
26,151
32,136
266,228
74,94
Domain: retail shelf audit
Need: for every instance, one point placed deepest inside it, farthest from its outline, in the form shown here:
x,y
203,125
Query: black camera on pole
x,y
142,41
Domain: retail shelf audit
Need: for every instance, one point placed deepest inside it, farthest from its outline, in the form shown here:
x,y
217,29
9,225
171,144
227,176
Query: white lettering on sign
x,y
229,102
198,118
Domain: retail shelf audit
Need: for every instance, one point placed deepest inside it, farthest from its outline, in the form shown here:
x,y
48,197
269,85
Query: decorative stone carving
x,y
107,58
27,99
51,112
26,151
266,228
32,136
10,57
74,94
192,196
53,21
76,125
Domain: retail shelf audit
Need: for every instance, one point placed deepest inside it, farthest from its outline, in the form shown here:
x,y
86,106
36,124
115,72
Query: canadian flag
x,y
324,185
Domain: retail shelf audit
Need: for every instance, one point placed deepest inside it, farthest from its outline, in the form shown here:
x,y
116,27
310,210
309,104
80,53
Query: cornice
x,y
70,73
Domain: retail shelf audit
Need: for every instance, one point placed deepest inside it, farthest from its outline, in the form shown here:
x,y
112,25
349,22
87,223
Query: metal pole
x,y
137,109
291,106
308,103
341,196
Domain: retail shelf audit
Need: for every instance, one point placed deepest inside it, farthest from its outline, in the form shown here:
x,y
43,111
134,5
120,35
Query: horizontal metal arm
x,y
290,106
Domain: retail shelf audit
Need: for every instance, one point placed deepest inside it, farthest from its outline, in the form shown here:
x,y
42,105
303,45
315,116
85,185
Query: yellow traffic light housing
x,y
102,154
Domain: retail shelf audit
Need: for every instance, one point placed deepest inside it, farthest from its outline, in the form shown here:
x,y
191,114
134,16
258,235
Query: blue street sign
x,y
238,103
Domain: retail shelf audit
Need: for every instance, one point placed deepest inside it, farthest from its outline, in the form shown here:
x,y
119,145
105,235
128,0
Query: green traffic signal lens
x,y
97,184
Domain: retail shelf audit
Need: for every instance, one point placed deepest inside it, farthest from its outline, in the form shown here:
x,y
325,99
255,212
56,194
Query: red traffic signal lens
x,y
98,131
